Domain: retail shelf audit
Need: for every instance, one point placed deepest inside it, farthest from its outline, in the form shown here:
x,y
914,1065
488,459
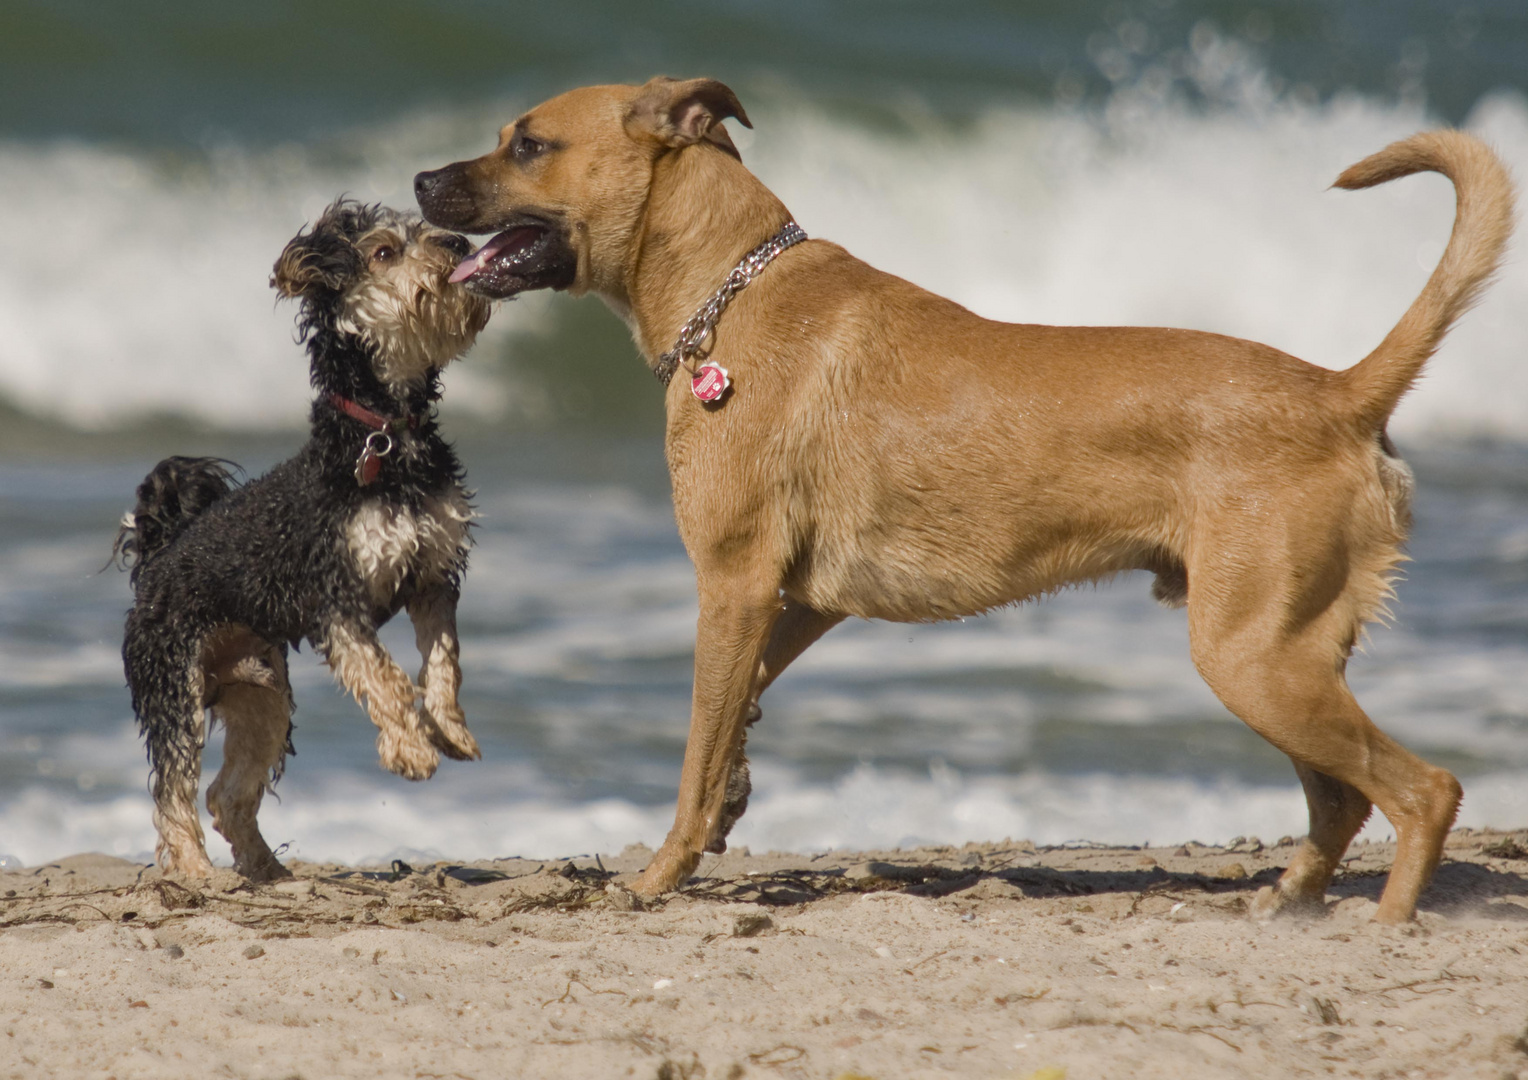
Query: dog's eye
x,y
459,246
384,254
525,148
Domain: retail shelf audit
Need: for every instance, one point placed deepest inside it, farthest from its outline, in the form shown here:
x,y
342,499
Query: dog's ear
x,y
683,112
321,259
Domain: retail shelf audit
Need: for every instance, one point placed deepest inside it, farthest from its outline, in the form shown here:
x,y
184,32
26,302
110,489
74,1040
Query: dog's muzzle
x,y
528,252
445,198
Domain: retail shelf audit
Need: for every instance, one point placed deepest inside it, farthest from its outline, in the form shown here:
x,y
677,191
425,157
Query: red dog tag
x,y
378,445
710,382
367,467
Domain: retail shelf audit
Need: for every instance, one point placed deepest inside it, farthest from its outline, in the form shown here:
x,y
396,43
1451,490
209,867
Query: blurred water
x,y
1079,716
1156,162
185,74
1193,195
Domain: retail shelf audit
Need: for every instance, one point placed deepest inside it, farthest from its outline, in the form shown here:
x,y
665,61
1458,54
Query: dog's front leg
x,y
736,617
365,669
433,613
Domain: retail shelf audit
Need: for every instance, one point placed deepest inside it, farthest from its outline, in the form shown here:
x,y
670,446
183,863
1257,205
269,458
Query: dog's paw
x,y
186,858
668,870
447,731
261,869
739,787
411,760
1273,902
197,868
458,745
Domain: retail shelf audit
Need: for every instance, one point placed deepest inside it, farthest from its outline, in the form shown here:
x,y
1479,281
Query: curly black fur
x,y
178,489
271,557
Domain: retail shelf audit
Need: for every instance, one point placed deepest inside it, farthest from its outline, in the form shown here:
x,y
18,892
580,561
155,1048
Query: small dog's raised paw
x,y
410,760
458,745
450,735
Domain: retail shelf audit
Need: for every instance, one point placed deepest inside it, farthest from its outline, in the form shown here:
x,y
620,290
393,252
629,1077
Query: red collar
x,y
375,421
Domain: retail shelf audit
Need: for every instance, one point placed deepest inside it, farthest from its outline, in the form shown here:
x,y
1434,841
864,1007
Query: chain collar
x,y
694,334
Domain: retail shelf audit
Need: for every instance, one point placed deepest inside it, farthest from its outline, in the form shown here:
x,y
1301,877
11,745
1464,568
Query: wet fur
x,y
227,577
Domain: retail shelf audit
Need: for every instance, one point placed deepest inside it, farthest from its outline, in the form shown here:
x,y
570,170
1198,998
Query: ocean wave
x,y
1215,220
134,286
344,818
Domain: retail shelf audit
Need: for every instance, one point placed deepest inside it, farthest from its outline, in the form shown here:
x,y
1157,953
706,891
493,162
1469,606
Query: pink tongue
x,y
480,258
471,264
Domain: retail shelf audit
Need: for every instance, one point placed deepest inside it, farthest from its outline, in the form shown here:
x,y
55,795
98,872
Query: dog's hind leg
x,y
433,613
366,670
182,845
168,688
1271,622
794,632
1337,812
257,720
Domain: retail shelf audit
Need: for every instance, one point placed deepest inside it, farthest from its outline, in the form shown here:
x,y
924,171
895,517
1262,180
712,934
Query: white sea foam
x,y
577,618
342,817
132,285
1217,221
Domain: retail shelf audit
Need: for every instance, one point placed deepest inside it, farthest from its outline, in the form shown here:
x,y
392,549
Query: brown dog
x,y
884,453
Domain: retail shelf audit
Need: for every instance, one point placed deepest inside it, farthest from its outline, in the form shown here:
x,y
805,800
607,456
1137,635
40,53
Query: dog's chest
x,y
389,543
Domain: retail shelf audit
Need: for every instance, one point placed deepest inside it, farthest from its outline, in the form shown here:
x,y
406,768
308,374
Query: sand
x,y
992,960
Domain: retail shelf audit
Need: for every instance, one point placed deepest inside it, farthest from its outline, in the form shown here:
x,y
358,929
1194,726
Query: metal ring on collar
x,y
374,439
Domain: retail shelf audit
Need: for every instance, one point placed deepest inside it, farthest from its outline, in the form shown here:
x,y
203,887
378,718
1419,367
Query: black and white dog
x,y
369,518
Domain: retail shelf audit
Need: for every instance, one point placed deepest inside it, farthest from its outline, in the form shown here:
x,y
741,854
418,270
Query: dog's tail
x,y
174,492
1482,225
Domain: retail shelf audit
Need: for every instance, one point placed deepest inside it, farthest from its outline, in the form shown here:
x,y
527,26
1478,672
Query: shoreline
x,y
988,960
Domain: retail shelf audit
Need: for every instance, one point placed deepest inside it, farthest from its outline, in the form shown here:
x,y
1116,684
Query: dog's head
x,y
385,278
566,187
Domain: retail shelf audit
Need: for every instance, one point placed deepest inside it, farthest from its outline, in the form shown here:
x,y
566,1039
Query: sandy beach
x,y
991,960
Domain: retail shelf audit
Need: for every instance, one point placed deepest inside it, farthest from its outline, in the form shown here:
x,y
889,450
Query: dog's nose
x,y
425,184
443,199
